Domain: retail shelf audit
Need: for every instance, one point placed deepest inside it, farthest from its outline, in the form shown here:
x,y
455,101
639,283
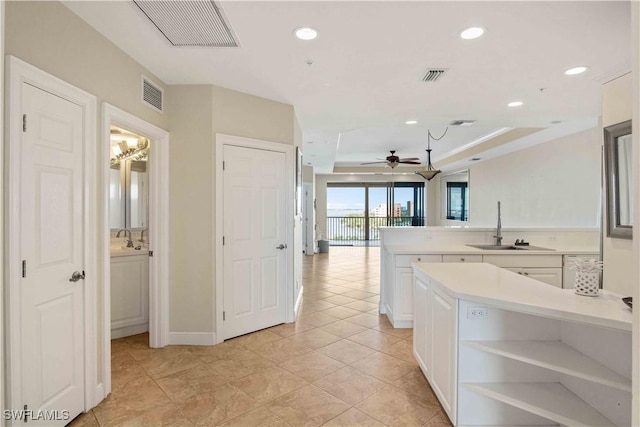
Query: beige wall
x,y
619,257
51,37
554,184
191,209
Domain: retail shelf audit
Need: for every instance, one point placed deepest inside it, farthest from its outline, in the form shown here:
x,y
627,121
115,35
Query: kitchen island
x,y
499,348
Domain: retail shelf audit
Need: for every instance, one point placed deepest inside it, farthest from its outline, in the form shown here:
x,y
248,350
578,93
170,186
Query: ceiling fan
x,y
394,160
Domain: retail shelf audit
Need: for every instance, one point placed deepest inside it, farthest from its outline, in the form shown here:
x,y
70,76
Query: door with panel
x,y
254,250
52,250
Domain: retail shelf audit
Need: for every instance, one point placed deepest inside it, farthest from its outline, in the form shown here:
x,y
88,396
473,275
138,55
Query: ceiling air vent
x,y
189,23
152,94
433,75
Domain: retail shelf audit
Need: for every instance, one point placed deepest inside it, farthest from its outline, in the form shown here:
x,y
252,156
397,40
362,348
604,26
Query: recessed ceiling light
x,y
306,33
515,104
410,122
576,70
472,33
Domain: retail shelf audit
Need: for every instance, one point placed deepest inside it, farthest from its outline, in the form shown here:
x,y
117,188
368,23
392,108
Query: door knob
x,y
76,276
281,246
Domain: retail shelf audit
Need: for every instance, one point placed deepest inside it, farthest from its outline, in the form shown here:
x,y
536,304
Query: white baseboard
x,y
127,331
192,338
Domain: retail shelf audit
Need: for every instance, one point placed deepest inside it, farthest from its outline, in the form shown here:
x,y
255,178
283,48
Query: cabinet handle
x,y
419,259
520,273
462,259
526,274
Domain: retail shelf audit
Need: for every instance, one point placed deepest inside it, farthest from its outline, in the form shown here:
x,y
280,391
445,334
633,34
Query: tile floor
x,y
340,364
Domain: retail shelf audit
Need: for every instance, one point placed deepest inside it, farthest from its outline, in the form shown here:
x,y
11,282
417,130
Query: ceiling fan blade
x,y
410,158
410,162
373,163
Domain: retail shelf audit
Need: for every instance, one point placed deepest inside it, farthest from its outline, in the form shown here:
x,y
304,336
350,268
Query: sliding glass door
x,y
355,211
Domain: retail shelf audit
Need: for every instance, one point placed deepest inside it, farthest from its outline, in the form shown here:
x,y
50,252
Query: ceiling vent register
x,y
433,74
189,23
152,94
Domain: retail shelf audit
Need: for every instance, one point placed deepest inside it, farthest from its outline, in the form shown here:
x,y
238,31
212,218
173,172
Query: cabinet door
x,y
443,350
421,330
550,276
403,307
129,291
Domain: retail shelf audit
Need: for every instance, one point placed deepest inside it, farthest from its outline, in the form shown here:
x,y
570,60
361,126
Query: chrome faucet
x,y
498,235
129,241
144,230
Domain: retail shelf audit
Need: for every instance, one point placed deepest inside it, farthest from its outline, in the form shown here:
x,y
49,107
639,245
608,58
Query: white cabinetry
x,y
129,295
397,289
434,342
545,268
550,276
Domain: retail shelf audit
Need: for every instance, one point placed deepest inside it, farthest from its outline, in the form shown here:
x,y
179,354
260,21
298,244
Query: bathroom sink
x,y
510,248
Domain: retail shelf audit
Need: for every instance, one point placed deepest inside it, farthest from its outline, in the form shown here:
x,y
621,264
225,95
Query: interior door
x,y
254,252
51,240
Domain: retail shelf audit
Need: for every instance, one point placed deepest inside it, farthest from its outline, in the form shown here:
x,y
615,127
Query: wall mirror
x,y
619,184
128,181
454,192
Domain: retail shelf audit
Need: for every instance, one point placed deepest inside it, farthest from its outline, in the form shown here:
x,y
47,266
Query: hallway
x,y
340,364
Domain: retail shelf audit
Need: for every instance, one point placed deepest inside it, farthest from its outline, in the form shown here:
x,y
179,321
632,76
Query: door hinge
x,y
222,240
150,253
24,123
224,315
223,165
24,268
25,412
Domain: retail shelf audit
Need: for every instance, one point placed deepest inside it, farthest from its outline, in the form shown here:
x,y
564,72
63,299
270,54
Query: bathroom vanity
x,y
129,292
499,348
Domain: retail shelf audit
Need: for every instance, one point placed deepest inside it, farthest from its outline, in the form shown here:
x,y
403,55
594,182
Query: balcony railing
x,y
361,228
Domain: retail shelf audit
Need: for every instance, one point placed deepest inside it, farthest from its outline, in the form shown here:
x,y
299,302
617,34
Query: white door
x,y
255,261
51,240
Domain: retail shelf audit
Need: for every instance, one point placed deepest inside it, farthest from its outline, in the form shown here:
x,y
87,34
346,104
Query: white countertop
x,y
495,286
118,251
454,249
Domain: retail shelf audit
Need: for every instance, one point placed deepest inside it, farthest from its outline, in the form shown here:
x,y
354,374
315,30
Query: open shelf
x,y
552,401
555,356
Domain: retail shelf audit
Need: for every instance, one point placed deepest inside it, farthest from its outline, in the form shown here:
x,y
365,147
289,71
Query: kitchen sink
x,y
510,248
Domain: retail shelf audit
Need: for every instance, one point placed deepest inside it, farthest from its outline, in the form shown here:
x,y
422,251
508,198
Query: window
x,y
457,194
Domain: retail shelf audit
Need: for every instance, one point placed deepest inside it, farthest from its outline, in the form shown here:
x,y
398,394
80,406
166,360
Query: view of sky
x,y
352,198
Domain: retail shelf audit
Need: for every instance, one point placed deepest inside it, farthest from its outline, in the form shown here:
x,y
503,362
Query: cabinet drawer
x,y
462,258
550,276
406,260
524,260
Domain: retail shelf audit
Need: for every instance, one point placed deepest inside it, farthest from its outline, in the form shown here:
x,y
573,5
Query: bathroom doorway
x,y
135,232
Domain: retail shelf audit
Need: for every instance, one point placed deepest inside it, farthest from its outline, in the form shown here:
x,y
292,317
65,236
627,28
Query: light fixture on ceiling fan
x,y
430,172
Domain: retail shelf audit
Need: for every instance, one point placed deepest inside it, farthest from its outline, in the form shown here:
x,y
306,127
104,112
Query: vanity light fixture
x,y
515,104
472,33
411,122
306,33
576,70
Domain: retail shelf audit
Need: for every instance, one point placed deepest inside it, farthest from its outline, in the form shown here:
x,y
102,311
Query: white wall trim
x,y
158,230
3,383
192,338
218,191
296,308
19,72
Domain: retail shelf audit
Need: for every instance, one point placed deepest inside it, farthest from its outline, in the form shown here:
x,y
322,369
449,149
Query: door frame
x,y
158,229
218,192
17,73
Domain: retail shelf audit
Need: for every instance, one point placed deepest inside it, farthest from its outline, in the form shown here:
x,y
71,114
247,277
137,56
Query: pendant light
x,y
431,171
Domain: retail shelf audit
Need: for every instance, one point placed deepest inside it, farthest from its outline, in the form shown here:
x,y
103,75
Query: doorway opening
x,y
135,229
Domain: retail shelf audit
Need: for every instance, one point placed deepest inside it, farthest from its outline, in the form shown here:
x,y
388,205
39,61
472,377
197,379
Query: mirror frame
x,y
612,176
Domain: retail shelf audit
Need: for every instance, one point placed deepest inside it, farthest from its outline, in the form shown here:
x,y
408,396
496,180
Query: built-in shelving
x,y
556,356
552,401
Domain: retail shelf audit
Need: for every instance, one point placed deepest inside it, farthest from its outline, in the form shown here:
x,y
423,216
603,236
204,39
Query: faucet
x,y
144,230
129,242
498,235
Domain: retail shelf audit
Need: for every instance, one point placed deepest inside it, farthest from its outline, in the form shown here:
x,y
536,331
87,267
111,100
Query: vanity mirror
x,y
618,176
128,182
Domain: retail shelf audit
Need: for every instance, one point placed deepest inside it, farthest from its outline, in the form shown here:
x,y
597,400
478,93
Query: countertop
x,y
118,251
495,286
454,249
